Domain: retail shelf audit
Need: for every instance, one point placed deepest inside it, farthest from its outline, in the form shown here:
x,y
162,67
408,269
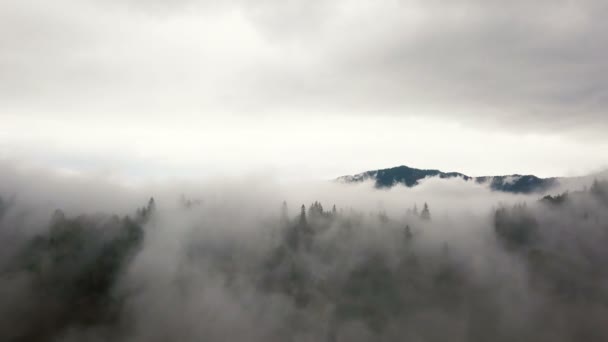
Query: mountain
x,y
410,177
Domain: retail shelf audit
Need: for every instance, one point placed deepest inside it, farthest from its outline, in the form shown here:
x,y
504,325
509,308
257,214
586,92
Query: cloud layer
x,y
536,67
204,87
226,260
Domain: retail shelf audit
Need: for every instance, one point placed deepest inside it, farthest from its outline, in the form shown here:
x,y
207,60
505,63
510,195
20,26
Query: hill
x,y
410,177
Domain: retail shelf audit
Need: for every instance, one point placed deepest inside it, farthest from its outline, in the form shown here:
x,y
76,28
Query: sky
x,y
304,89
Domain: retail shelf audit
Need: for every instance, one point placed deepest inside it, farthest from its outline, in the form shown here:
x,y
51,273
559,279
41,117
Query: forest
x,y
532,271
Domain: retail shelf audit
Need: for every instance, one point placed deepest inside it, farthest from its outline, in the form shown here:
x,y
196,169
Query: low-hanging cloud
x,y
227,260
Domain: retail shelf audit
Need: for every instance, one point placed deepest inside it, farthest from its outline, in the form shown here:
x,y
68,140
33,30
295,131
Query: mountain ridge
x,y
410,177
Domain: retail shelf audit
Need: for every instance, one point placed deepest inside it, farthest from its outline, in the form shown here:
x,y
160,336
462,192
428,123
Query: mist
x,y
200,170
86,257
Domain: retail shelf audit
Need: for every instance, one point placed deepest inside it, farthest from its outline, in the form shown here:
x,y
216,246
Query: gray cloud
x,y
536,67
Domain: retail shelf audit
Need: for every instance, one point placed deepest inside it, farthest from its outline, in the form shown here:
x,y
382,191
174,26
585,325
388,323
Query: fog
x,y
86,257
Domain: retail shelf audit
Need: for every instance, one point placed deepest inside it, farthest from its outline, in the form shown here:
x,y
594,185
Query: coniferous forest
x,y
529,270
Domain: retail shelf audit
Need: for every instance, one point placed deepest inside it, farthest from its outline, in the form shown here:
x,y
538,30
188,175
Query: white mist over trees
x,y
249,260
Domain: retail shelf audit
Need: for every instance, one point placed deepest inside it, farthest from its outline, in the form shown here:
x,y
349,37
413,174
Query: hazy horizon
x,y
307,89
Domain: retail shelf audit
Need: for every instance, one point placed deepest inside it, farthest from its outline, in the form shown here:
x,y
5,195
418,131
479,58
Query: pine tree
x,y
143,214
284,213
303,214
425,214
151,205
316,209
408,233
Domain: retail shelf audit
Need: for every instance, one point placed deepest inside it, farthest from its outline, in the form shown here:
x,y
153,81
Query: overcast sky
x,y
304,88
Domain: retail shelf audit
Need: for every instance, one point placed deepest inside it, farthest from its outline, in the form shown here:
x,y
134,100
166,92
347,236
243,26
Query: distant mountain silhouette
x,y
410,177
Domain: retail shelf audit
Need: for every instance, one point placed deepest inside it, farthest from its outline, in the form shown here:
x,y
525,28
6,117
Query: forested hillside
x,y
535,272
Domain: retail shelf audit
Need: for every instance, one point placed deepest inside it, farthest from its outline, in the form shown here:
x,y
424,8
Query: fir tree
x,y
284,213
408,233
303,214
425,214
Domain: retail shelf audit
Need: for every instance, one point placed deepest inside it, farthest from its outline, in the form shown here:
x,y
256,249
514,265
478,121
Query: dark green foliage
x,y
316,210
406,175
285,273
411,176
518,183
407,233
299,235
425,214
381,274
599,189
555,200
370,294
516,226
143,214
72,268
303,214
